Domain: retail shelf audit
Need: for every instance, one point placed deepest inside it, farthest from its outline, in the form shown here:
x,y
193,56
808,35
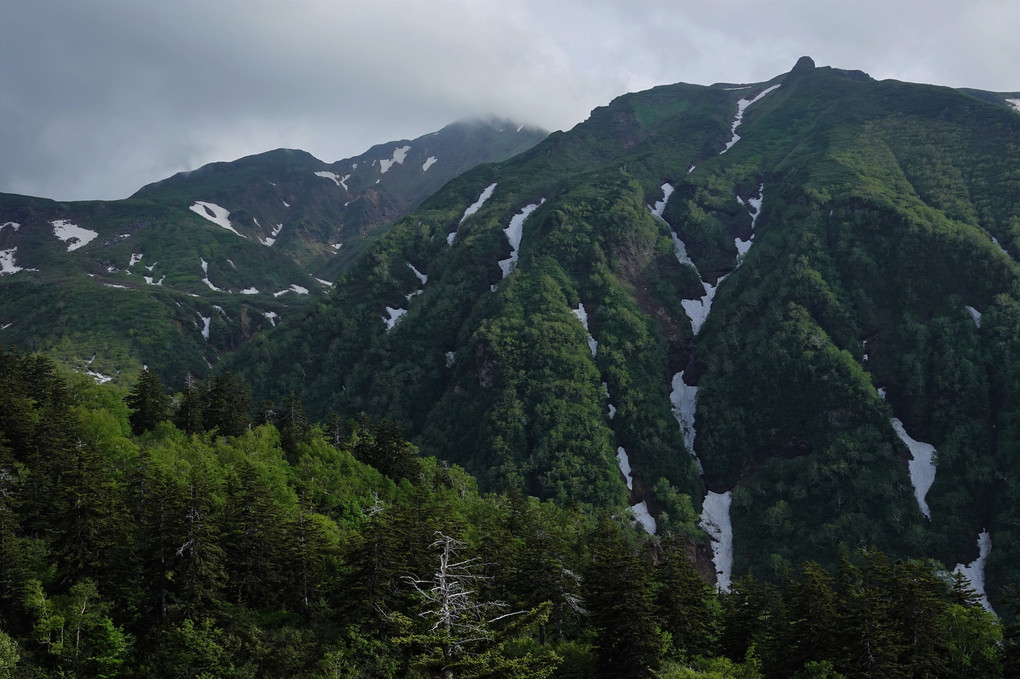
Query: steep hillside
x,y
189,268
545,321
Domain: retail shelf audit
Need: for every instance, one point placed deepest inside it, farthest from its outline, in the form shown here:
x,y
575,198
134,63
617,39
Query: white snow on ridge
x,y
975,570
643,517
685,402
475,206
975,314
72,234
514,233
624,462
1015,103
660,205
715,520
922,465
399,154
215,214
428,163
742,106
7,265
393,316
582,316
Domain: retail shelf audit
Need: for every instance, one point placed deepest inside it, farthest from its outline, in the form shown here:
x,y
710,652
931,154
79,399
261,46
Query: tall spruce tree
x,y
149,404
619,597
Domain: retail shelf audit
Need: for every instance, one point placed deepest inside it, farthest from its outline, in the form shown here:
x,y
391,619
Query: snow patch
x,y
582,316
685,402
13,225
741,107
205,278
114,285
975,314
324,282
392,315
150,280
215,214
1015,104
72,234
475,206
272,316
660,205
422,277
206,322
975,570
269,240
881,393
451,358
643,517
697,309
514,233
922,465
5,326
293,288
99,377
624,462
428,163
680,250
7,265
331,175
250,291
135,258
715,520
399,154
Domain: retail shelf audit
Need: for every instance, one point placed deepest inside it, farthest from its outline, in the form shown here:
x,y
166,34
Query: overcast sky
x,y
99,97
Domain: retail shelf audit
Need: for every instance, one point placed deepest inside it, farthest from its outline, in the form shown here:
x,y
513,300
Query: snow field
x,y
272,316
72,234
624,462
1015,104
428,163
399,154
215,214
135,258
697,309
7,265
922,465
13,225
715,520
975,314
293,288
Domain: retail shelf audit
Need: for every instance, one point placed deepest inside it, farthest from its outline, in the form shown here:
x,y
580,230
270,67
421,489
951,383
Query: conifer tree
x,y
685,603
618,595
149,404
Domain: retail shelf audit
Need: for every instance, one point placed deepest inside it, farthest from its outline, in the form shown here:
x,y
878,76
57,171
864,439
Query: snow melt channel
x,y
685,402
715,520
473,208
514,233
742,106
697,309
975,570
922,465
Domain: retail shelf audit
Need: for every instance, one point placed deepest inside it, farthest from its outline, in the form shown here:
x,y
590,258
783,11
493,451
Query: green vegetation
x,y
167,554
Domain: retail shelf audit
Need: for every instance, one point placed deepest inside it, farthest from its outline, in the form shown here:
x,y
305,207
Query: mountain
x,y
772,305
189,268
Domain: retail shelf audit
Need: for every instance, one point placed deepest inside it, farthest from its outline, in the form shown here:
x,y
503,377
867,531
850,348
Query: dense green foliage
x,y
170,555
882,207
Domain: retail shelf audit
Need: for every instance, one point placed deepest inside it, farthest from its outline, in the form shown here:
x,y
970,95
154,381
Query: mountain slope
x,y
841,232
191,267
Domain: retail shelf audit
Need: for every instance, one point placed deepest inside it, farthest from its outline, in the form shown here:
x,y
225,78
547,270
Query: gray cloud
x,y
100,98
